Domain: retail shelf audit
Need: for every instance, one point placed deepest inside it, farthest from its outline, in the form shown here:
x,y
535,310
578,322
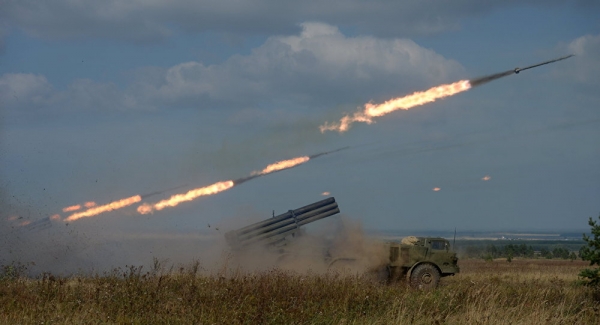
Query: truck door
x,y
440,253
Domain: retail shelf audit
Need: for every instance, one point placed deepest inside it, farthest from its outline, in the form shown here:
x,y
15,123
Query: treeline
x,y
492,251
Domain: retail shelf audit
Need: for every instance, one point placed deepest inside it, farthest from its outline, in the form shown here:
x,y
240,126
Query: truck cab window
x,y
439,245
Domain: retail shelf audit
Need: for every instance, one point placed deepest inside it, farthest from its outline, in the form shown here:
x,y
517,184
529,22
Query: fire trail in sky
x,y
371,110
105,208
225,185
93,209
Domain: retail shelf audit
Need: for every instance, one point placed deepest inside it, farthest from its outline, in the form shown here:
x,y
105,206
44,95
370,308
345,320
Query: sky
x,y
102,100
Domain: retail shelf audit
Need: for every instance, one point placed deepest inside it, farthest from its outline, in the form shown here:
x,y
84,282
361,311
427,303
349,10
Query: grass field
x,y
521,292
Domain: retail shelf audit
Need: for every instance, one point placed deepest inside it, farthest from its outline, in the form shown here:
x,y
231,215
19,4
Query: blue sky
x,y
104,100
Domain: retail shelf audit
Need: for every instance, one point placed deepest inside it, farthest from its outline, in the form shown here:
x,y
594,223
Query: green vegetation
x,y
591,253
522,292
491,249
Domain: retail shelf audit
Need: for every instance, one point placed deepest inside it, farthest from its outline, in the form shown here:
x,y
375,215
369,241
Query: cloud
x,y
587,60
318,67
24,89
155,20
27,92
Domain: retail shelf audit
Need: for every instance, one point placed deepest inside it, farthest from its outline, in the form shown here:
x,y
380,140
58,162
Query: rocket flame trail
x,y
420,98
219,186
407,102
105,208
90,204
72,208
284,164
190,195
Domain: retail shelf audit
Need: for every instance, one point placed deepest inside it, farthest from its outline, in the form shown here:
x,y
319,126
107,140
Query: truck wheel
x,y
425,276
343,265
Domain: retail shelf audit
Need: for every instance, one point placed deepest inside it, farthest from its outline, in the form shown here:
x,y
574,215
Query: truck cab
x,y
424,260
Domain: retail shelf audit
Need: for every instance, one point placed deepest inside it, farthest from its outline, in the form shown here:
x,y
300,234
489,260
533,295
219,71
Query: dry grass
x,y
521,292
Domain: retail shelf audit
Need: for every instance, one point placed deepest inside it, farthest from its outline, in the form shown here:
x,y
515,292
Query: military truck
x,y
424,260
420,260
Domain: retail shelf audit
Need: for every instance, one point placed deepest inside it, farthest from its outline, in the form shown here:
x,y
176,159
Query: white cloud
x,y
24,89
28,92
318,67
587,59
151,20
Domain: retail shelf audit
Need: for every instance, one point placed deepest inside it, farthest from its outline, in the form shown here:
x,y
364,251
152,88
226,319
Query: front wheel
x,y
425,276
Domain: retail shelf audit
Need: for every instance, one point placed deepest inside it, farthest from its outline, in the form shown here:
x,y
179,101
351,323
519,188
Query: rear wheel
x,y
343,265
425,276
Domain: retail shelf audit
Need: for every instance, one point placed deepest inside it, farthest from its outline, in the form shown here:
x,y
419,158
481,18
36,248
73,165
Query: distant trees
x,y
591,252
510,251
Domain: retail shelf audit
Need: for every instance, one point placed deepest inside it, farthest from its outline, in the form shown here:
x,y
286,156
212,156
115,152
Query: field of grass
x,y
537,291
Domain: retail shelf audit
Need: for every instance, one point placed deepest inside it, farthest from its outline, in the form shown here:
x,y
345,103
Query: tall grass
x,y
521,292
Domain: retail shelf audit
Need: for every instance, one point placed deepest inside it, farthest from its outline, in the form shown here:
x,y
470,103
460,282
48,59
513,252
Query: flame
x,y
90,204
217,187
190,195
486,178
105,208
289,163
325,193
72,208
436,189
55,217
405,103
24,223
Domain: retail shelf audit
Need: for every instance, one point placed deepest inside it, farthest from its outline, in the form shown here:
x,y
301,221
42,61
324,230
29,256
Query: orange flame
x,y
486,178
72,208
289,163
405,103
89,204
325,193
105,208
190,195
55,217
436,189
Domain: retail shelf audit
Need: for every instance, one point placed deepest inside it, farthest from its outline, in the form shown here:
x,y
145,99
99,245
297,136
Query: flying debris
x,y
517,70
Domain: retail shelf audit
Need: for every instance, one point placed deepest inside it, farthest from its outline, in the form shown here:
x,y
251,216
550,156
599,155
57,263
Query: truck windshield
x,y
438,244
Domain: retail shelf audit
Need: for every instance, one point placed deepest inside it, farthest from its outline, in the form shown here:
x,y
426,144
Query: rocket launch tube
x,y
282,225
286,222
284,216
279,233
281,236
285,228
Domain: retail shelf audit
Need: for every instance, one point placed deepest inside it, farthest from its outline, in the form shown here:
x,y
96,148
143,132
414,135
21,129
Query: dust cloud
x,y
338,244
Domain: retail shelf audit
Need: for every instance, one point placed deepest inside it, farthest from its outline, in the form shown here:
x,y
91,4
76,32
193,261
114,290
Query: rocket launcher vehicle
x,y
273,231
